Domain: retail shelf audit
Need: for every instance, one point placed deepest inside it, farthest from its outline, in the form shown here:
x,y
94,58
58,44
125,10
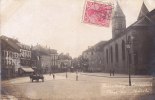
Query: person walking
x,y
113,72
53,76
76,75
66,75
50,73
110,72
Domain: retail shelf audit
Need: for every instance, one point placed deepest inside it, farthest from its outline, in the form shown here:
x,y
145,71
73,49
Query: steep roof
x,y
64,57
44,50
24,46
99,46
96,47
147,20
118,11
143,11
148,17
53,51
11,42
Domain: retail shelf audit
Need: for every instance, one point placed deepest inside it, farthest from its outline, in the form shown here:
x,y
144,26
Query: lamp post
x,y
128,47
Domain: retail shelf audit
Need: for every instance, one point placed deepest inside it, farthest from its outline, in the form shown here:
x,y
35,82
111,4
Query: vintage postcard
x,y
77,49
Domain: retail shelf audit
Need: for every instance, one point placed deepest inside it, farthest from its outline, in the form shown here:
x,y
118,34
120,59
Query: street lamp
x,y
128,47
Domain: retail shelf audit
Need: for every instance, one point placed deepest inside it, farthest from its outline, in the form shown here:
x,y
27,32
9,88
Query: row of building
x,y
18,59
130,49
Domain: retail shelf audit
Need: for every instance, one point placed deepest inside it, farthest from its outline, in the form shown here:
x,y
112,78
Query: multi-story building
x,y
20,59
46,59
64,62
25,55
10,60
33,59
54,60
25,60
93,58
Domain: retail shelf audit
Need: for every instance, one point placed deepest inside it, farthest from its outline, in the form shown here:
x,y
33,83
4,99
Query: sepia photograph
x,y
77,49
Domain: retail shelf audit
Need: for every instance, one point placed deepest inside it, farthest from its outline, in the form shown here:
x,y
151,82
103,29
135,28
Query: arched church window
x,y
123,50
116,52
111,52
107,55
129,39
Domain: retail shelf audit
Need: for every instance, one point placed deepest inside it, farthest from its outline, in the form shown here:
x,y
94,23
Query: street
x,y
90,86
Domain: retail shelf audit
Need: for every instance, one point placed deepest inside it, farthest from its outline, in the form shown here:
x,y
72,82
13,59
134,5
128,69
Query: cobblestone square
x,y
90,86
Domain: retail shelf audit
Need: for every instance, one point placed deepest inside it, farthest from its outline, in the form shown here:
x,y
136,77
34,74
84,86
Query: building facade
x,y
54,61
93,58
132,46
25,55
45,59
25,60
18,59
10,60
64,62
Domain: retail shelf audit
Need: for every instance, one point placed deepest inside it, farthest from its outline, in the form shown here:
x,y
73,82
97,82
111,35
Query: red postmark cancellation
x,y
97,13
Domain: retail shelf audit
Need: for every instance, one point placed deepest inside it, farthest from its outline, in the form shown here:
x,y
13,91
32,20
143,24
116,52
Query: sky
x,y
58,23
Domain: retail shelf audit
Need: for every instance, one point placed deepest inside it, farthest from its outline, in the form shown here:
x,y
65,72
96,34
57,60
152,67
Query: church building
x,y
132,47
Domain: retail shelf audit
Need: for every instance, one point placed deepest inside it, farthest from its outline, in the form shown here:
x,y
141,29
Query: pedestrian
x,y
66,75
110,72
113,72
153,75
76,76
53,76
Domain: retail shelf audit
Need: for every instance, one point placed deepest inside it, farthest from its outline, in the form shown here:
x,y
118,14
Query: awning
x,y
27,69
33,67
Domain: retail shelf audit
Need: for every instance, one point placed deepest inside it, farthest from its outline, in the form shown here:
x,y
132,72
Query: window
x,y
135,58
123,50
111,52
129,38
13,55
10,54
11,62
91,53
3,54
5,62
2,61
107,55
120,25
7,54
116,52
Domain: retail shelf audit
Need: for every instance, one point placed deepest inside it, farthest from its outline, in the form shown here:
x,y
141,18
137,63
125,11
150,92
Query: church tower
x,y
118,21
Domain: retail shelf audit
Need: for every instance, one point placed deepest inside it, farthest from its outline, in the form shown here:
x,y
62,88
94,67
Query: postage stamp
x,y
97,13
